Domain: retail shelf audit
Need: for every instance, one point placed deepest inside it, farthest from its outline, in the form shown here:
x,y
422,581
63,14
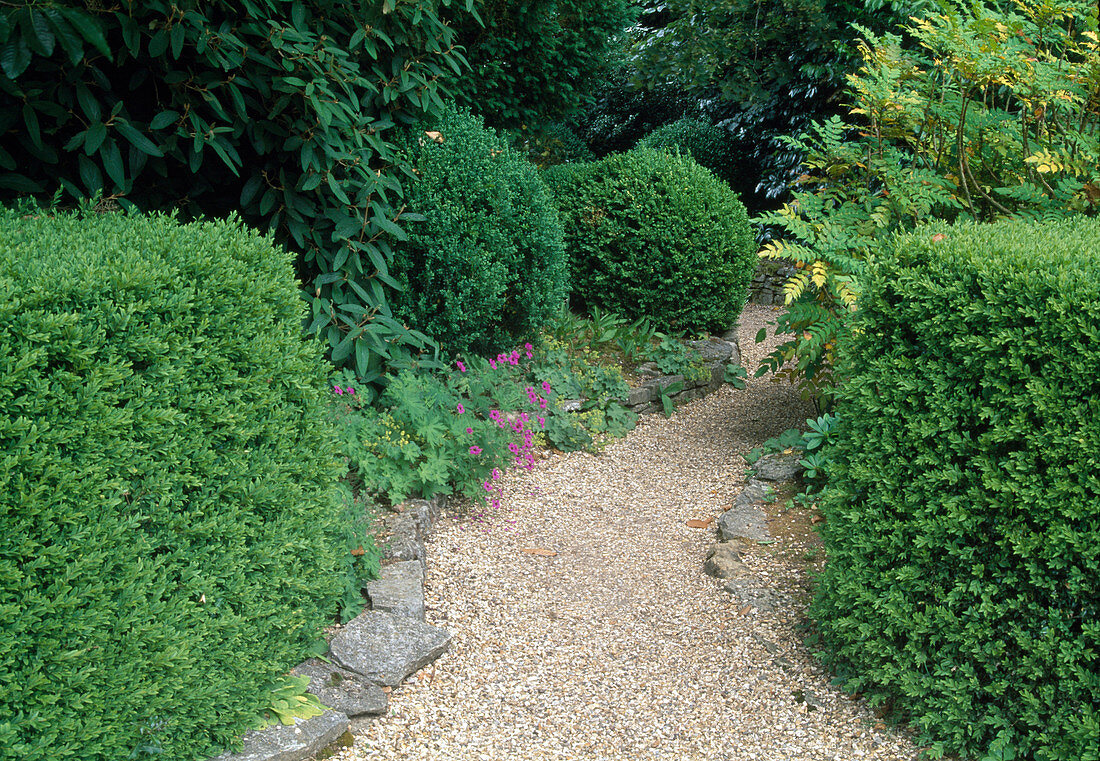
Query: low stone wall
x,y
716,354
767,285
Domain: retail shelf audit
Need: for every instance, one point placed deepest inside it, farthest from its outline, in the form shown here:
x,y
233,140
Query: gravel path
x,y
618,646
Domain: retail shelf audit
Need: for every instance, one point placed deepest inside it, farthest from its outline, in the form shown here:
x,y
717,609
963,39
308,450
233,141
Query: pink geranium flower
x,y
475,450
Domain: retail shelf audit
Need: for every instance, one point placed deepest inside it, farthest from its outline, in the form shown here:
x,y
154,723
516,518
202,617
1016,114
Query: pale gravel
x,y
619,647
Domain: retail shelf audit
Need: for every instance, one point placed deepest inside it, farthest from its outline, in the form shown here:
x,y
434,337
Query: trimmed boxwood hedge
x,y
171,527
652,233
486,267
710,146
963,509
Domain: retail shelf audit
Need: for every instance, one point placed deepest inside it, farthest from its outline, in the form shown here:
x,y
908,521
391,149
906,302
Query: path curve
x,y
619,647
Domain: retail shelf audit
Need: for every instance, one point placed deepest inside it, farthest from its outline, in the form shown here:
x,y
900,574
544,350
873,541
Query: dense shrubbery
x,y
963,526
173,531
487,266
710,146
970,118
285,111
532,59
654,234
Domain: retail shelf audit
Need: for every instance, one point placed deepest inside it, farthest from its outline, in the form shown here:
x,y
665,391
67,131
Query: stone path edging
x,y
743,525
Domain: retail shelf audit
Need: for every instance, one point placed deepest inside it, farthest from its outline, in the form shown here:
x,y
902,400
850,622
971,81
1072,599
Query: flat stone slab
x,y
748,590
343,690
305,739
745,518
713,349
778,468
399,589
386,648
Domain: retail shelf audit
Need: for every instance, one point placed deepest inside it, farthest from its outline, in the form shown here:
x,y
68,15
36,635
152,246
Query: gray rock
x,y
571,405
748,590
405,541
778,467
342,690
663,382
291,743
640,395
386,648
713,349
717,376
724,561
399,589
745,518
648,368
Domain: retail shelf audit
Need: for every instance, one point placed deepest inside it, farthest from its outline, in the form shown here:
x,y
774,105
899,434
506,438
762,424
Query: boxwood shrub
x,y
963,510
709,145
652,233
171,536
487,265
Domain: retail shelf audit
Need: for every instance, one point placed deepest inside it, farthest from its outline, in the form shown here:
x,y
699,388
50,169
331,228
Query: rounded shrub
x,y
487,266
171,528
650,233
710,146
963,505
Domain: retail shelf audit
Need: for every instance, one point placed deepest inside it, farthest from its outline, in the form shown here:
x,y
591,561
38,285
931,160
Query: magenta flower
x,y
475,450
517,426
493,364
513,448
542,403
461,367
488,486
461,409
338,390
494,415
542,422
496,473
469,430
351,390
546,386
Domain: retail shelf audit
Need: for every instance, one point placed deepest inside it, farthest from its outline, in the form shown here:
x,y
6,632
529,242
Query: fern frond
x,y
820,274
795,287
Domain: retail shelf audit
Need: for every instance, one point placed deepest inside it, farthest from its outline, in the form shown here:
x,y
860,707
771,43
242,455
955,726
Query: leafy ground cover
x,y
455,432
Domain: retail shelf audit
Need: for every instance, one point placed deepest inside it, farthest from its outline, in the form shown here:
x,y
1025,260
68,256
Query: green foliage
x,y
172,520
283,110
710,146
574,374
533,59
857,196
550,144
735,375
654,234
438,434
962,525
762,69
487,266
624,113
992,114
289,699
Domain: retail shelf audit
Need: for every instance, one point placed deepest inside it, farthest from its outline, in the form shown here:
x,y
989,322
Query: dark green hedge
x,y
487,266
710,146
283,110
171,535
963,510
651,233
